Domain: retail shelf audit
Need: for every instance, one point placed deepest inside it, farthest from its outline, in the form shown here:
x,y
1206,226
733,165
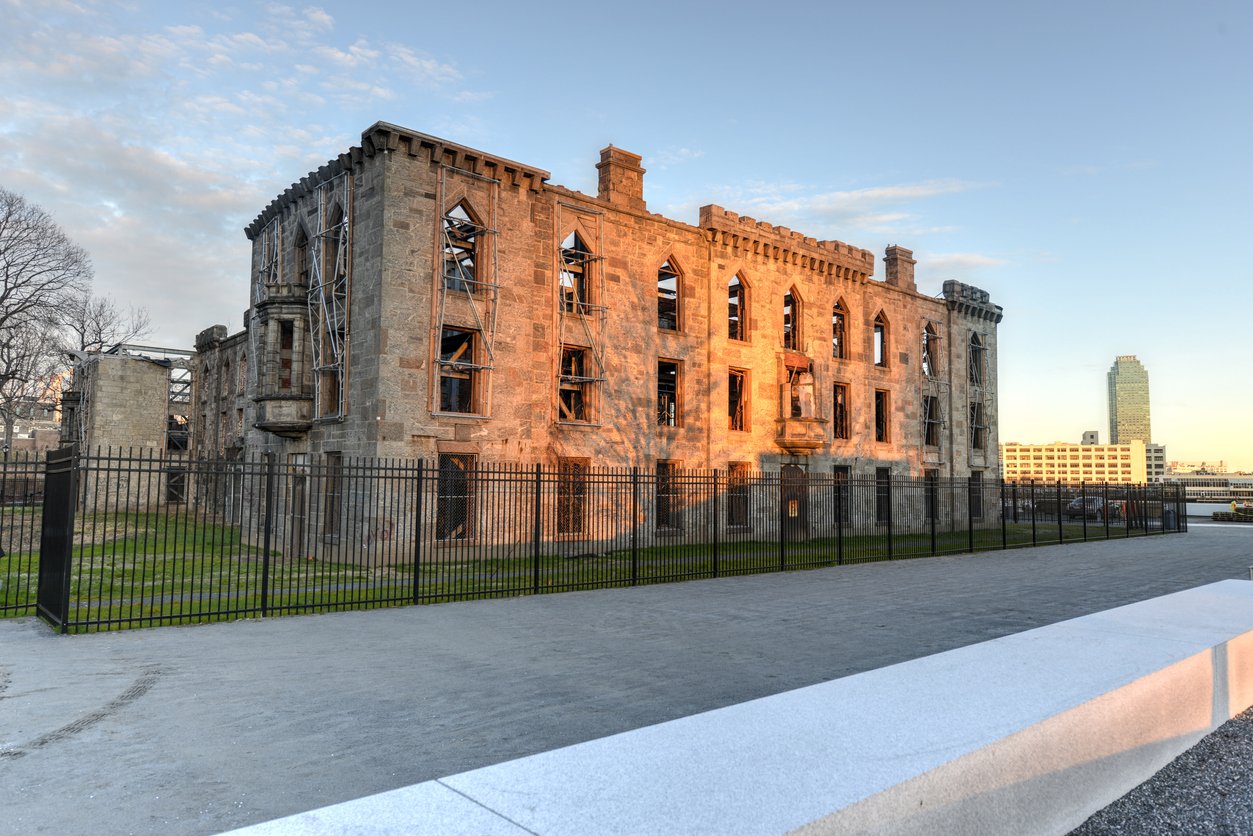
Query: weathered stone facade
x,y
440,290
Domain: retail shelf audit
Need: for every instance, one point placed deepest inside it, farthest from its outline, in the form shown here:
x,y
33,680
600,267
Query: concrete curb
x,y
1029,733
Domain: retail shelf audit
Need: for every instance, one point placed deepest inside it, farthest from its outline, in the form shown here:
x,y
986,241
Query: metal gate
x,y
56,540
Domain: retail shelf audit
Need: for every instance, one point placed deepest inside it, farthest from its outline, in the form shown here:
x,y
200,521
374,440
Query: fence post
x,y
537,531
891,545
841,485
418,534
1004,522
635,525
970,513
931,499
56,537
1061,535
1031,499
1105,506
782,520
268,525
715,520
1083,499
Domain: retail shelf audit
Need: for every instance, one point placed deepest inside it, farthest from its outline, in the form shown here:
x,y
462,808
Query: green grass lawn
x,y
140,569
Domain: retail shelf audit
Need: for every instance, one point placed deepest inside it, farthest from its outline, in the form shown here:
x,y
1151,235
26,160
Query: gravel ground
x,y
1206,790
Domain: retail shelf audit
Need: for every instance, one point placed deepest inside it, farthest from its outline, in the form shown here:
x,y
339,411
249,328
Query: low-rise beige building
x,y
1074,463
415,298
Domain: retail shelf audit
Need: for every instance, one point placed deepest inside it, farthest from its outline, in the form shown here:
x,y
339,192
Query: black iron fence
x,y
154,539
21,509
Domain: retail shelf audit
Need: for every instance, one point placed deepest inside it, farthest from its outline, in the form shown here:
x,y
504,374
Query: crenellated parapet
x,y
749,236
383,137
971,301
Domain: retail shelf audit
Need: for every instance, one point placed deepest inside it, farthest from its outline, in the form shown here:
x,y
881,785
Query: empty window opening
x,y
576,261
976,360
175,487
454,508
839,326
931,421
461,235
574,388
880,340
456,371
667,393
791,321
930,351
737,309
978,426
737,399
302,256
839,412
571,495
667,297
882,423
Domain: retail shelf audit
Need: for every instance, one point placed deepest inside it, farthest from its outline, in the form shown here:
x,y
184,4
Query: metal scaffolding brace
x,y
329,287
269,273
454,277
591,317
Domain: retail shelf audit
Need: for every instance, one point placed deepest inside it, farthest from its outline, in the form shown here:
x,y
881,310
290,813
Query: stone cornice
x,y
305,185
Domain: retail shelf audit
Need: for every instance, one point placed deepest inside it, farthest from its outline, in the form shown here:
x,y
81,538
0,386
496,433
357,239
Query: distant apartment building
x,y
1074,463
1155,462
1129,401
1091,437
1179,468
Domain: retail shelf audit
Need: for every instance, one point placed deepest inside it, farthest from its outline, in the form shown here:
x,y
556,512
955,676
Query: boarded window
x,y
737,399
454,507
839,413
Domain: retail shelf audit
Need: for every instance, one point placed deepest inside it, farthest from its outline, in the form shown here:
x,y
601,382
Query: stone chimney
x,y
900,267
621,178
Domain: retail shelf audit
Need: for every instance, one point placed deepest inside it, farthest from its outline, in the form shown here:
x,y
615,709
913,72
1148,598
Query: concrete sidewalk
x,y
200,729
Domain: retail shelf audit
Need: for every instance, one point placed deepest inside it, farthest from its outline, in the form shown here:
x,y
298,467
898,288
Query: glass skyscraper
x,y
1128,401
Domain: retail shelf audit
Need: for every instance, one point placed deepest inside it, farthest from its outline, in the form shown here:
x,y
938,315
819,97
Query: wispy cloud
x,y
895,209
959,264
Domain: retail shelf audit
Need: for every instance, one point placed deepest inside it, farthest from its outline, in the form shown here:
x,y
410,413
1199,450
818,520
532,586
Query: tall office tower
x,y
1128,401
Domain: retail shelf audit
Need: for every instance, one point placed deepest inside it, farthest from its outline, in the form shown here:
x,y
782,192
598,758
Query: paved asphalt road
x,y
203,728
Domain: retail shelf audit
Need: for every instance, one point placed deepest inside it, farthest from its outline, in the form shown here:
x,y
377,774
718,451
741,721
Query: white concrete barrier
x,y
1030,733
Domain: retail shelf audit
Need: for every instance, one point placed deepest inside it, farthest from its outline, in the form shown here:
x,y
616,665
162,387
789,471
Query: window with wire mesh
x,y
454,501
571,495
883,495
839,412
456,370
576,260
575,385
668,496
737,399
976,494
738,475
461,236
667,297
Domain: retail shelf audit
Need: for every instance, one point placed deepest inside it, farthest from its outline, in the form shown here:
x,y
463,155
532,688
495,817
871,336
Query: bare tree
x,y
39,266
29,366
94,323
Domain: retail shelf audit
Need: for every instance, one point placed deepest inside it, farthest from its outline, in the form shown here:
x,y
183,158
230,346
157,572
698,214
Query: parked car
x,y
1091,507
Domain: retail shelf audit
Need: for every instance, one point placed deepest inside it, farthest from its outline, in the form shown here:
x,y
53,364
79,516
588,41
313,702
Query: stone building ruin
x,y
418,299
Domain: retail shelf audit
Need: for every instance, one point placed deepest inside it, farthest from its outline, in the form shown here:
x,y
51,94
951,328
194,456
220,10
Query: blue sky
x,y
1086,163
